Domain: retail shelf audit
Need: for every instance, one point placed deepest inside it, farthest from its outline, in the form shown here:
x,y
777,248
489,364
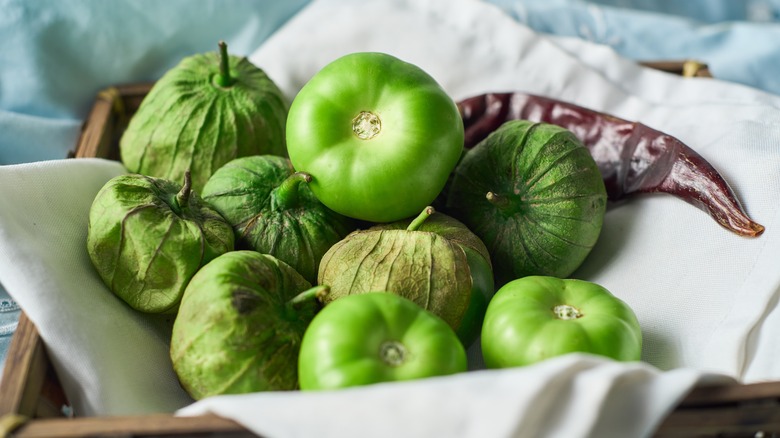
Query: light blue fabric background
x,y
55,55
738,39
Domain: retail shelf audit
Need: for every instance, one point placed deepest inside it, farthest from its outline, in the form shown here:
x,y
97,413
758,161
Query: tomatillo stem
x,y
497,200
183,197
285,196
223,78
420,219
315,293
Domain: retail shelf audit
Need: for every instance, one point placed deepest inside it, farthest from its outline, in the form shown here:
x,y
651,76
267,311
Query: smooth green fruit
x,y
273,211
376,337
148,236
206,111
534,195
240,326
538,317
378,135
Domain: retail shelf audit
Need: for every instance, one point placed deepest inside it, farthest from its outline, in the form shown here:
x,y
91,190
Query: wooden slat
x,y
24,371
689,68
731,394
111,110
136,426
741,420
95,139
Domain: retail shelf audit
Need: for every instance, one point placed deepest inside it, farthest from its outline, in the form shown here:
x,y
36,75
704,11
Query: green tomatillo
x,y
376,337
378,135
202,113
240,326
273,211
433,260
538,317
534,195
148,236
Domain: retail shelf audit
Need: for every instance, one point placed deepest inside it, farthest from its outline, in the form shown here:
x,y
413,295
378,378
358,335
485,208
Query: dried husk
x,y
146,244
235,332
189,122
548,205
423,266
275,212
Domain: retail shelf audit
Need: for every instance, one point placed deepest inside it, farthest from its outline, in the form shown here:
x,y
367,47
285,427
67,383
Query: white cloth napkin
x,y
110,359
705,298
569,396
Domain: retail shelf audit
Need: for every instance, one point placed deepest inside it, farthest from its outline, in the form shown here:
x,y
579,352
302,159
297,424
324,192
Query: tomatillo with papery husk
x,y
207,110
534,195
432,260
148,236
240,325
273,211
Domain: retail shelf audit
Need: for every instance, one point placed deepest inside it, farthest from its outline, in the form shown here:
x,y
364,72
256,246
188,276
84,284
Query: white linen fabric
x,y
569,396
110,359
706,298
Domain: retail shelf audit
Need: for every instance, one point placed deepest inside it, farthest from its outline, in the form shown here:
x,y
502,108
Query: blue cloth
x,y
56,55
737,39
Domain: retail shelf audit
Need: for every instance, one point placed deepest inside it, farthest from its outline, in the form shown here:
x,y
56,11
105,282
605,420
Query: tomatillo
x,y
379,136
376,337
433,260
537,317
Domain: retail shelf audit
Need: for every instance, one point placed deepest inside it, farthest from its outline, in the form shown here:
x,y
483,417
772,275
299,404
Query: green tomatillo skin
x,y
148,236
378,135
376,337
240,326
433,260
538,317
273,211
198,117
534,195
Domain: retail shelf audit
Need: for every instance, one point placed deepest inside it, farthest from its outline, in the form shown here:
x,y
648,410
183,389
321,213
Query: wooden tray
x,y
32,403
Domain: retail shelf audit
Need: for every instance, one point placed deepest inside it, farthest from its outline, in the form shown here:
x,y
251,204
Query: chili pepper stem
x,y
285,196
223,78
421,218
183,197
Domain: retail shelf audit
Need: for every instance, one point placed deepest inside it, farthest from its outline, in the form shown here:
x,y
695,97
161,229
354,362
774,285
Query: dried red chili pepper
x,y
632,157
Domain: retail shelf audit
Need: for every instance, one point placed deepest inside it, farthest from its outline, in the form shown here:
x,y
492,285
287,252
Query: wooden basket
x,y
32,400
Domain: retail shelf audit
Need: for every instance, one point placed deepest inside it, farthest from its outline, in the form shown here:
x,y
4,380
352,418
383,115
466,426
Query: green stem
x,y
183,197
285,196
223,78
315,293
497,200
420,219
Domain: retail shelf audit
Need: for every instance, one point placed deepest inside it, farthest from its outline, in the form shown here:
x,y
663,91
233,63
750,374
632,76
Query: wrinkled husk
x,y
145,246
188,122
445,226
426,268
554,198
233,333
299,234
